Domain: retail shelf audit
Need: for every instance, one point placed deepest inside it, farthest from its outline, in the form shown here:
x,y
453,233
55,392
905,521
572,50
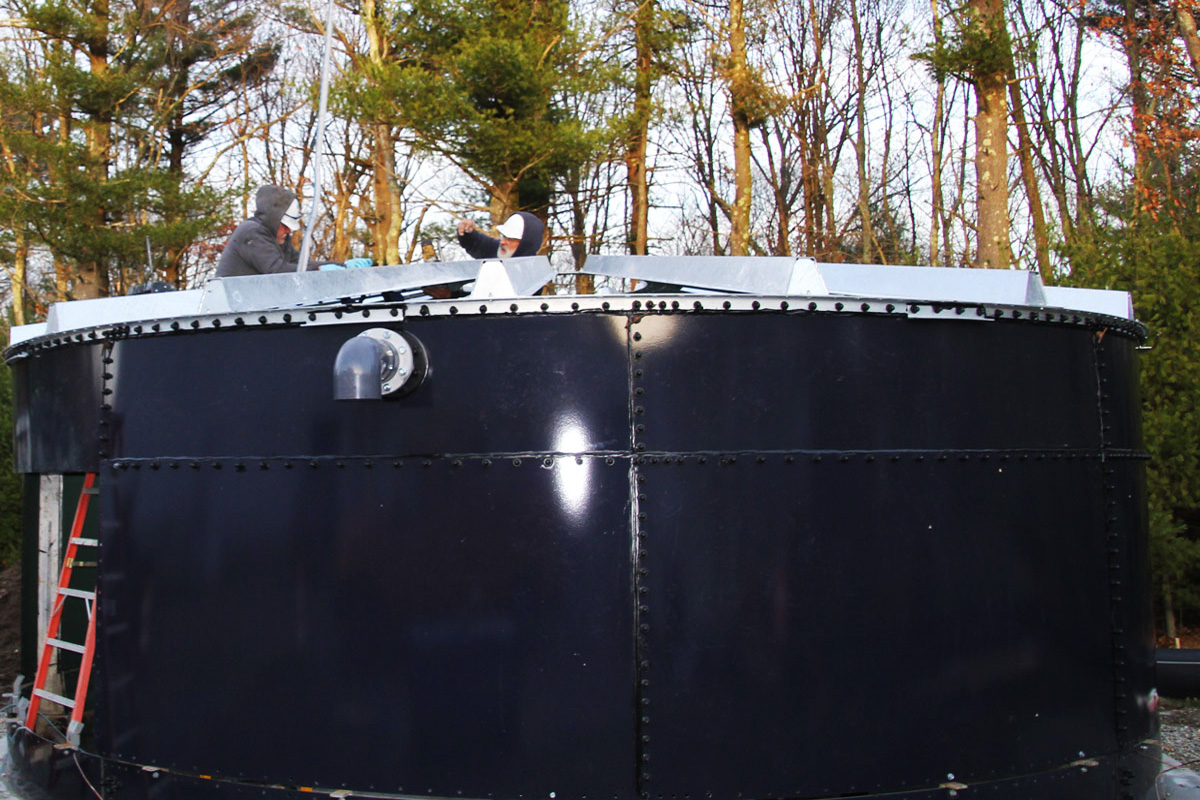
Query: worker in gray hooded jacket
x,y
262,244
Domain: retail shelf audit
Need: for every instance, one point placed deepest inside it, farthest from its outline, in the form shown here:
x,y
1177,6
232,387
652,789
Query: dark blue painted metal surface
x,y
497,385
874,620
56,404
630,555
444,629
771,382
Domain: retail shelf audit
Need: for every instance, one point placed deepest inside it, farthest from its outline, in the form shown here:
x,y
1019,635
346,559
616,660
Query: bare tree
x,y
386,218
637,140
869,245
990,78
742,99
694,128
1052,39
937,140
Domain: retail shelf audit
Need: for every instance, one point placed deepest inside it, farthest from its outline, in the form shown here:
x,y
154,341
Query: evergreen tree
x,y
99,117
10,482
1149,247
1159,263
197,54
483,83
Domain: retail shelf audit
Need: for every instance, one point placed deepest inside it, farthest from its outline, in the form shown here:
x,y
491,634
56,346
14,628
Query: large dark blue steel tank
x,y
669,547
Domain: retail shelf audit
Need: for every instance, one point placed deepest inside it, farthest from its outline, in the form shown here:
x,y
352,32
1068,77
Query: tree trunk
x,y
1169,609
1191,38
1041,235
832,237
62,280
783,216
19,271
90,279
639,127
584,283
388,217
20,243
936,136
505,200
178,26
1139,96
342,223
869,246
739,90
991,150
714,223
388,220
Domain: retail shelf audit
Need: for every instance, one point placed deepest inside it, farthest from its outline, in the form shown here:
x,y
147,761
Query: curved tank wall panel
x,y
673,547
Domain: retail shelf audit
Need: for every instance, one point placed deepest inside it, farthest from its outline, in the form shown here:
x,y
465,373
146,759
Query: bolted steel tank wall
x,y
628,555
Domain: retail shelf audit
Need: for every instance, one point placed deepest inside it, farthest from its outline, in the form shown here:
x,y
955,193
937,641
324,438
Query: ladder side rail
x,y
85,675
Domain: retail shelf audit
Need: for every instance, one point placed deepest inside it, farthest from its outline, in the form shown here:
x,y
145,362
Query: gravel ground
x,y
1180,723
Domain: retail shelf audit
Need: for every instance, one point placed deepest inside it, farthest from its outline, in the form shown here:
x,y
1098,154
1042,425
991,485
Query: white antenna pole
x,y
318,140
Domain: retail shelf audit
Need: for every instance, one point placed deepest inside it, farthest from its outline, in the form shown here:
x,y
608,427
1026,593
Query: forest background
x,y
1054,135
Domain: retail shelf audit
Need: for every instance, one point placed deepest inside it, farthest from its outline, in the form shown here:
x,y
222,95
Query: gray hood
x,y
269,205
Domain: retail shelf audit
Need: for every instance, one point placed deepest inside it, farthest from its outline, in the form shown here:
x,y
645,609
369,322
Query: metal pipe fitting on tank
x,y
378,363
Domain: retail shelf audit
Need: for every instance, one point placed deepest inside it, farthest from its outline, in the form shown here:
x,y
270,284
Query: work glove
x,y
356,263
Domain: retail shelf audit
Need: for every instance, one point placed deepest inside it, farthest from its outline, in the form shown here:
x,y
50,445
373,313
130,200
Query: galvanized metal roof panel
x,y
1098,301
806,277
767,275
933,284
259,292
23,333
83,314
524,277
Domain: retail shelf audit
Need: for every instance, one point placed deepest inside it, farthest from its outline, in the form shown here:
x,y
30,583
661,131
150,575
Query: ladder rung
x,y
85,542
59,643
58,698
82,593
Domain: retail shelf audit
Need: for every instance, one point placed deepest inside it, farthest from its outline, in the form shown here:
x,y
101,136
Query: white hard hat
x,y
513,227
291,217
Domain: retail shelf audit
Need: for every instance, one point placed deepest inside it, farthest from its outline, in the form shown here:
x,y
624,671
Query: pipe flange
x,y
403,361
379,363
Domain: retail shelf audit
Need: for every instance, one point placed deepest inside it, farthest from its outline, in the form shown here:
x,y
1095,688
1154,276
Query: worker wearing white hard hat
x,y
520,235
262,244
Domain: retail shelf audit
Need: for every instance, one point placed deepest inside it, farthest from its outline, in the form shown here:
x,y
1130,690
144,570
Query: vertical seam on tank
x,y
1113,541
105,434
104,440
641,664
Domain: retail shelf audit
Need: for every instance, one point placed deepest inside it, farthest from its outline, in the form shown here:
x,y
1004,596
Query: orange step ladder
x,y
53,643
